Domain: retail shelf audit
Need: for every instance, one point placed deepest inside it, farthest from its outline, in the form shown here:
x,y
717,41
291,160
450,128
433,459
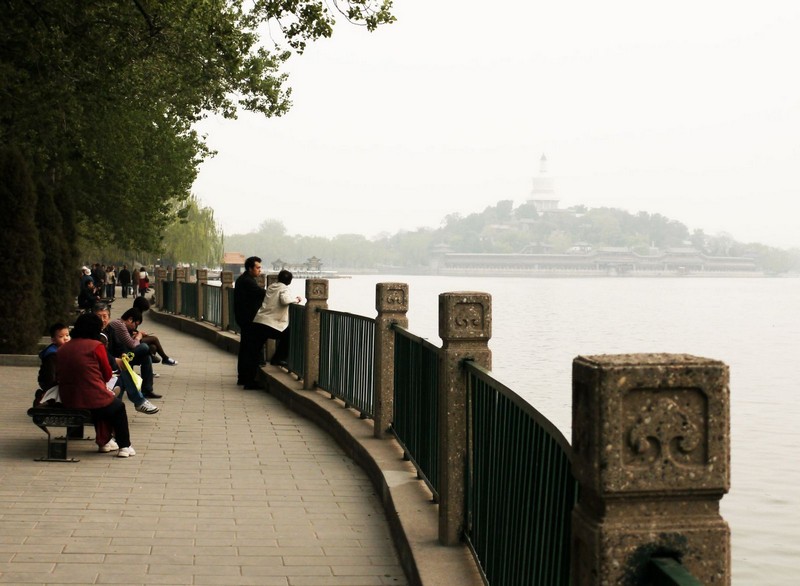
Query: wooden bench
x,y
72,419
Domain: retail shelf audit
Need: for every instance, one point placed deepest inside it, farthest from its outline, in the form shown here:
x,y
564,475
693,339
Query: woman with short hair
x,y
83,370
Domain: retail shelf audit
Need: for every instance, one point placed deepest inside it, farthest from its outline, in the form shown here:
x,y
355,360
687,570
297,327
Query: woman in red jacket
x,y
83,369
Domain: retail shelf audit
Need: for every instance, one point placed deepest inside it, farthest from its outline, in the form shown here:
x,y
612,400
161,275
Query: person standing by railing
x,y
272,319
247,298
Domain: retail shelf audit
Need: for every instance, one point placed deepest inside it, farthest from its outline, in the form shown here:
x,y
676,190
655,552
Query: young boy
x,y
59,335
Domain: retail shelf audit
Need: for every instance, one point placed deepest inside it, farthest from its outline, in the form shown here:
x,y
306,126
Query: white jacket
x,y
274,310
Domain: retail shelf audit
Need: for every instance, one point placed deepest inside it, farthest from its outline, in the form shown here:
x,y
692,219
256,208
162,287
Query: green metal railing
x,y
188,299
212,304
296,362
169,296
415,421
520,490
346,355
663,571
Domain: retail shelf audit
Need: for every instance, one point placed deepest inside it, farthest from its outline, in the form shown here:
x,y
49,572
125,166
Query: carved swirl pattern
x,y
468,316
318,291
395,297
666,432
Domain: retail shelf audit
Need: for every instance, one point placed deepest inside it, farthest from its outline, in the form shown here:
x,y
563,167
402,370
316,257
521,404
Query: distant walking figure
x,y
144,282
125,280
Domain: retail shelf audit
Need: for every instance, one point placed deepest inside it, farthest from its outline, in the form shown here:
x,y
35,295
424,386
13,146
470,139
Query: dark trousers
x,y
125,290
249,354
117,417
264,333
141,357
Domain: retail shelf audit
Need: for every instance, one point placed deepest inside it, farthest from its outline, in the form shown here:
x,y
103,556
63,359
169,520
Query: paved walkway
x,y
227,487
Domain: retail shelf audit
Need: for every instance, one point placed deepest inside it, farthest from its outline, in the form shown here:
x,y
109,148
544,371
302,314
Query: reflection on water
x,y
540,325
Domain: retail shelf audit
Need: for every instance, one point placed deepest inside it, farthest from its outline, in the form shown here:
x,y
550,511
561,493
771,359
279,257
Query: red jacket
x,y
83,370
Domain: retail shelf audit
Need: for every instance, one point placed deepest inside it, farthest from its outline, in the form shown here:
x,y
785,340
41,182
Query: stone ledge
x,y
412,516
19,360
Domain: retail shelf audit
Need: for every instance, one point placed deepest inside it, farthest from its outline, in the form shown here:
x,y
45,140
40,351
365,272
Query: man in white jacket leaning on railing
x,y
272,319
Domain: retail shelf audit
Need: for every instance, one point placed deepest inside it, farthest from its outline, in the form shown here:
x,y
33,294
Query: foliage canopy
x,y
98,101
100,97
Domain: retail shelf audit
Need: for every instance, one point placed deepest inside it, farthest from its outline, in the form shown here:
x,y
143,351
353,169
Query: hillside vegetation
x,y
502,228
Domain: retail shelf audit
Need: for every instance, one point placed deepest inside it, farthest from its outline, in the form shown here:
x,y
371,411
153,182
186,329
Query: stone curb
x,y
412,516
19,360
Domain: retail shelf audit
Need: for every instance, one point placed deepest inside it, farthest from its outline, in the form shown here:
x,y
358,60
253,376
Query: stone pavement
x,y
227,487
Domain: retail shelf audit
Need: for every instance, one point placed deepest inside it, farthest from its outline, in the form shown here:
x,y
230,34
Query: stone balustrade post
x,y
316,299
161,278
391,302
271,344
651,452
202,281
465,326
226,278
180,278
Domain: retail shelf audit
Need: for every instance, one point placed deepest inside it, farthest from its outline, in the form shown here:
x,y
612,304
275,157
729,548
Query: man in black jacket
x,y
247,298
125,280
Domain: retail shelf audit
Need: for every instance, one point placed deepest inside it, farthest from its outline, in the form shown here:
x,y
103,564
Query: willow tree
x,y
195,239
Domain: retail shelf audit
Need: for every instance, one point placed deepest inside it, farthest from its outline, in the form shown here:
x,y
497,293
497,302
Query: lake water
x,y
753,325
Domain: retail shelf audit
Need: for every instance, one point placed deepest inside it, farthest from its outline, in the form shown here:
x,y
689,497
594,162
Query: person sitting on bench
x,y
59,335
123,338
83,371
124,379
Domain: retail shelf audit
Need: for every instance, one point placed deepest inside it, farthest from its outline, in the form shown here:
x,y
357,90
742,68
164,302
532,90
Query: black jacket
x,y
247,298
124,277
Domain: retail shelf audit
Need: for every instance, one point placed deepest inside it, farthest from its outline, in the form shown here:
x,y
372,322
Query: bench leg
x,y
56,448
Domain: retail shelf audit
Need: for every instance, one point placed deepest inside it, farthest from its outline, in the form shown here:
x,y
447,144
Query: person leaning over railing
x,y
272,319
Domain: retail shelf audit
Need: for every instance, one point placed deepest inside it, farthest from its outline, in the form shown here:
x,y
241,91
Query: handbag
x,y
137,380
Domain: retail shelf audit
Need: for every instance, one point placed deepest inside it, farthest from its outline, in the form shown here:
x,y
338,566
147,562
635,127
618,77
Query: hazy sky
x,y
688,109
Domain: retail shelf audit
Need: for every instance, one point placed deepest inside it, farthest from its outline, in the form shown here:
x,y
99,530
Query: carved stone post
x,y
316,299
202,281
465,326
391,302
226,277
161,277
180,278
271,344
651,451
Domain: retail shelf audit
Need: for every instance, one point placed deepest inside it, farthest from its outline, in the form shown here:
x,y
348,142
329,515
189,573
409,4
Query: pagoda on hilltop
x,y
543,192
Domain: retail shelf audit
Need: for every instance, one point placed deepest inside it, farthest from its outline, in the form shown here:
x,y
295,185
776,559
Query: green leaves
x,y
100,97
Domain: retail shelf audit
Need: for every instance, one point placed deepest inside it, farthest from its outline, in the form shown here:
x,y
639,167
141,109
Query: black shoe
x,y
254,387
151,395
278,363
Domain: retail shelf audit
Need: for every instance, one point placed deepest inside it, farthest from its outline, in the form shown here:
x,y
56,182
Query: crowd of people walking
x,y
101,282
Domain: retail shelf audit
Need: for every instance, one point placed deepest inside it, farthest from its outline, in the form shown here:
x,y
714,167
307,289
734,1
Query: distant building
x,y
233,261
312,265
610,260
543,192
